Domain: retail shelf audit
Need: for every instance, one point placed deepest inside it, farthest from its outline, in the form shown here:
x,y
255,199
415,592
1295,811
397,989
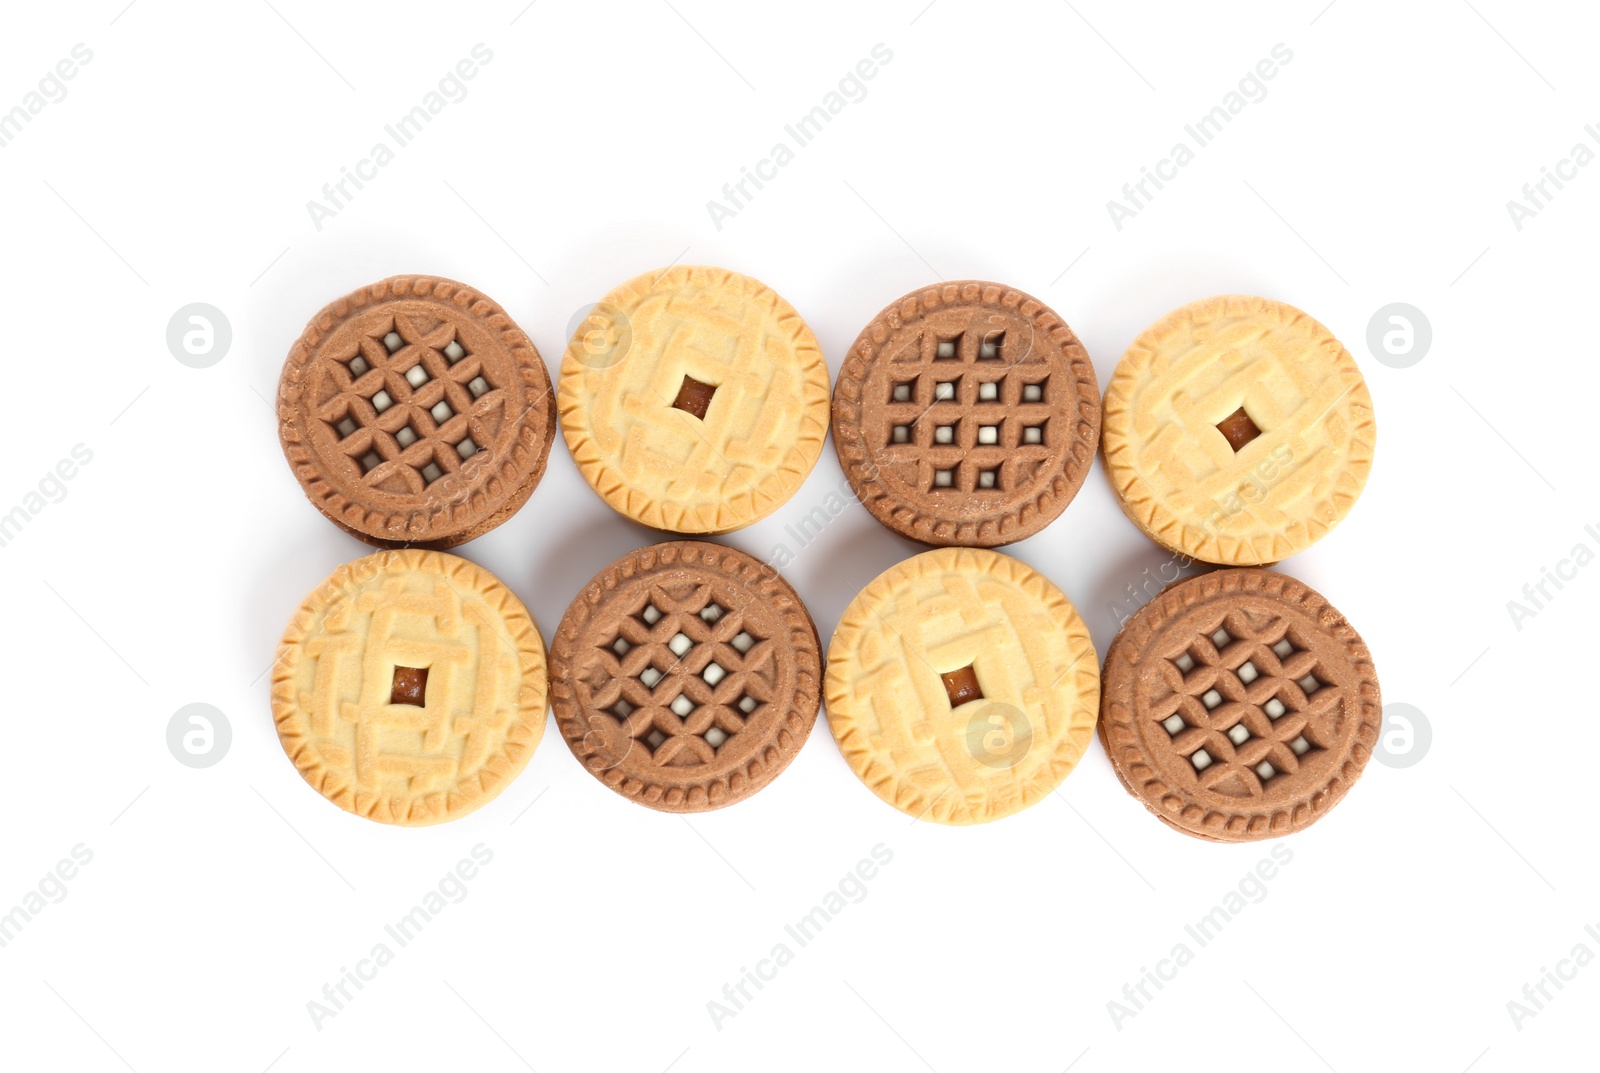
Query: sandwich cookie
x,y
685,676
415,412
410,687
1238,431
1239,705
966,413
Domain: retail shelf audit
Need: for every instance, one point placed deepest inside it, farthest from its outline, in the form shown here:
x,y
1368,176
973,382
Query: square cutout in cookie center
x,y
961,686
410,686
1238,429
694,397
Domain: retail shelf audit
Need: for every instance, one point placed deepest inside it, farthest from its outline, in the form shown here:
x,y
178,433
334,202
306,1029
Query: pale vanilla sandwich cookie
x,y
1237,431
962,686
410,687
694,399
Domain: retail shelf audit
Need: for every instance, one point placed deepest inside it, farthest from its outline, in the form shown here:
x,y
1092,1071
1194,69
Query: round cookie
x,y
410,687
1238,431
415,412
966,413
694,399
962,686
686,676
1239,705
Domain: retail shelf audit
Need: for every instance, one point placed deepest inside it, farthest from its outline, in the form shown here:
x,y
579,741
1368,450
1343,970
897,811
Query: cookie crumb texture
x,y
686,676
1238,431
410,687
962,686
694,400
414,412
966,413
1239,705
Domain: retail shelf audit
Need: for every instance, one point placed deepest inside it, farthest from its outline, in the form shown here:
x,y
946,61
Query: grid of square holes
x,y
971,417
690,675
1244,703
404,403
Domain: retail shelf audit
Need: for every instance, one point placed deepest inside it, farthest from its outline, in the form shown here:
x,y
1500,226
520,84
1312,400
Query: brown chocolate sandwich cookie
x,y
415,412
1239,705
686,676
966,414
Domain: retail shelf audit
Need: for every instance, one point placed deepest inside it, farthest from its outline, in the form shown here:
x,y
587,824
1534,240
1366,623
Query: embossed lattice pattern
x,y
686,675
414,411
407,763
1177,473
967,413
1244,702
406,402
762,428
1239,705
945,611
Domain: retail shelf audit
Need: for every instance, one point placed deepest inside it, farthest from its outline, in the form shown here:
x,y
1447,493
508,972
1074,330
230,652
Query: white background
x,y
220,901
